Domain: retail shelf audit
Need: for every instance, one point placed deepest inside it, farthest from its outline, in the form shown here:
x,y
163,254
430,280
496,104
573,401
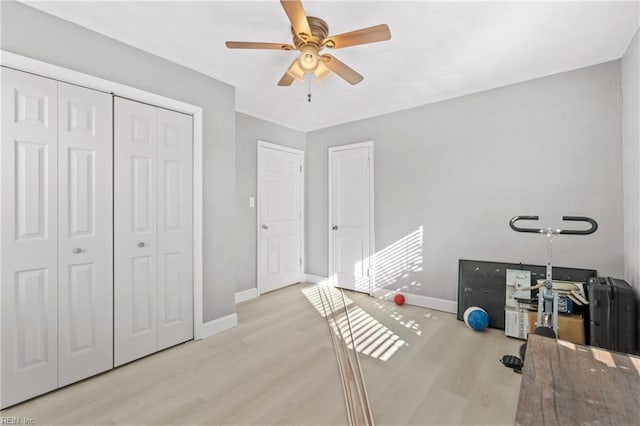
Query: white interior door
x,y
29,261
175,241
85,265
280,217
350,188
135,230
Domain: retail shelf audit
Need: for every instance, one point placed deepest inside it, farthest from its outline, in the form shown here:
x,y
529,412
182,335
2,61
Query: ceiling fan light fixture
x,y
321,72
296,71
309,58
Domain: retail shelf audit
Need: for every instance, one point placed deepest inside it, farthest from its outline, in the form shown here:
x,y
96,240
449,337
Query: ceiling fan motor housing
x,y
319,31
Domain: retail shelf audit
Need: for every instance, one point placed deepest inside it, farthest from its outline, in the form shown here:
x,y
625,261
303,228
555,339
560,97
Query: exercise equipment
x,y
513,362
476,318
547,319
399,299
547,298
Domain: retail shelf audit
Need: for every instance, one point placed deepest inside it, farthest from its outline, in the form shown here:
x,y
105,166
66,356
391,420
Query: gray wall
x,y
248,131
630,76
62,43
456,171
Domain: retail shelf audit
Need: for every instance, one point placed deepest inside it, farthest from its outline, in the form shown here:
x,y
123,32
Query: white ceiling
x,y
438,50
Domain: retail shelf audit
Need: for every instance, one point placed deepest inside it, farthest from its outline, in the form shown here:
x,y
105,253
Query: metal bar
x,y
368,412
338,358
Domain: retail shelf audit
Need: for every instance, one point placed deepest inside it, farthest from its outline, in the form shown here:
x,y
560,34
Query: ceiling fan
x,y
310,37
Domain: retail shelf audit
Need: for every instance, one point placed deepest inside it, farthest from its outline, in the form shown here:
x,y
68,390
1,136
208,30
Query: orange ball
x,y
399,299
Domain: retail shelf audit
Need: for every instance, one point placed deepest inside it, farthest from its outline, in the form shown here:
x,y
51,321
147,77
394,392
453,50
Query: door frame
x,y
372,248
261,145
44,69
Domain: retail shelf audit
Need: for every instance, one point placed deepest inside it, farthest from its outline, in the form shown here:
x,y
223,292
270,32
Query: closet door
x,y
175,240
29,263
85,286
135,230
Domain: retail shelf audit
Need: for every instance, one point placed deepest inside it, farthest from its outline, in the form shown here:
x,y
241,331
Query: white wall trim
x,y
44,69
444,305
244,295
261,145
372,236
219,325
314,279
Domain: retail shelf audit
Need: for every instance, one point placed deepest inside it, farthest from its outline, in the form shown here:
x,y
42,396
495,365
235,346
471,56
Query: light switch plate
x,y
252,201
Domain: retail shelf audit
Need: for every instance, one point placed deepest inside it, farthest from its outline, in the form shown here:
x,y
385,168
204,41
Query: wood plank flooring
x,y
278,366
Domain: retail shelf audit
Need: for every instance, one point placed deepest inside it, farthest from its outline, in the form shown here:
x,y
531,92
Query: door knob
x,y
264,226
140,244
77,250
334,227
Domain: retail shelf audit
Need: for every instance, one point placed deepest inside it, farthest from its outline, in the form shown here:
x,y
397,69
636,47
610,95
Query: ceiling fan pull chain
x,y
309,94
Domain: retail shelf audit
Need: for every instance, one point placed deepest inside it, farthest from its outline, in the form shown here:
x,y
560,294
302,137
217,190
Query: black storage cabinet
x,y
483,284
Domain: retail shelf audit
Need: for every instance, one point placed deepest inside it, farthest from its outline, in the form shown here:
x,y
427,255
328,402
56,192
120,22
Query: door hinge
x,y
368,274
300,261
300,169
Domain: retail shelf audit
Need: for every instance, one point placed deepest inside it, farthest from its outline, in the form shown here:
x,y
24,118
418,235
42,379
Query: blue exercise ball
x,y
476,318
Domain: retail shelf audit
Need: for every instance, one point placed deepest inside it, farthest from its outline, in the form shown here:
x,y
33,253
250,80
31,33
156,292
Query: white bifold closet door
x,y
55,235
85,233
29,236
153,284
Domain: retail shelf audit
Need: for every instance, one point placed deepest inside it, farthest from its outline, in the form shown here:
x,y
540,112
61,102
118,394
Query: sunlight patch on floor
x,y
371,338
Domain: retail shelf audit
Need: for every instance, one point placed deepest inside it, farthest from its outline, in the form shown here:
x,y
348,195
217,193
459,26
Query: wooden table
x,y
564,383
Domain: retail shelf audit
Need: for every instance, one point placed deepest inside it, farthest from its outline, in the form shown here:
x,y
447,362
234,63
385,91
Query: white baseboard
x,y
443,305
219,325
314,279
244,295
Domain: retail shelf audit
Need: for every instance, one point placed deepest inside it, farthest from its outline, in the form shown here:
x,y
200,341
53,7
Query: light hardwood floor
x,y
278,367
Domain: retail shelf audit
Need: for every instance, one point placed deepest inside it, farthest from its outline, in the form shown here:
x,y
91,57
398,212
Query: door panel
x,y
350,217
142,185
175,231
142,303
30,189
173,311
81,328
85,255
31,292
28,242
280,238
135,230
81,178
351,169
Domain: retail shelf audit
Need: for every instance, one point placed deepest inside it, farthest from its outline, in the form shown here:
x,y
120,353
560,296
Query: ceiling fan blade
x,y
322,71
293,72
297,17
257,45
363,36
286,80
342,69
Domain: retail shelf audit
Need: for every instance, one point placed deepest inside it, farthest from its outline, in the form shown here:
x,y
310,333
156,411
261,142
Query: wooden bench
x,y
564,383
